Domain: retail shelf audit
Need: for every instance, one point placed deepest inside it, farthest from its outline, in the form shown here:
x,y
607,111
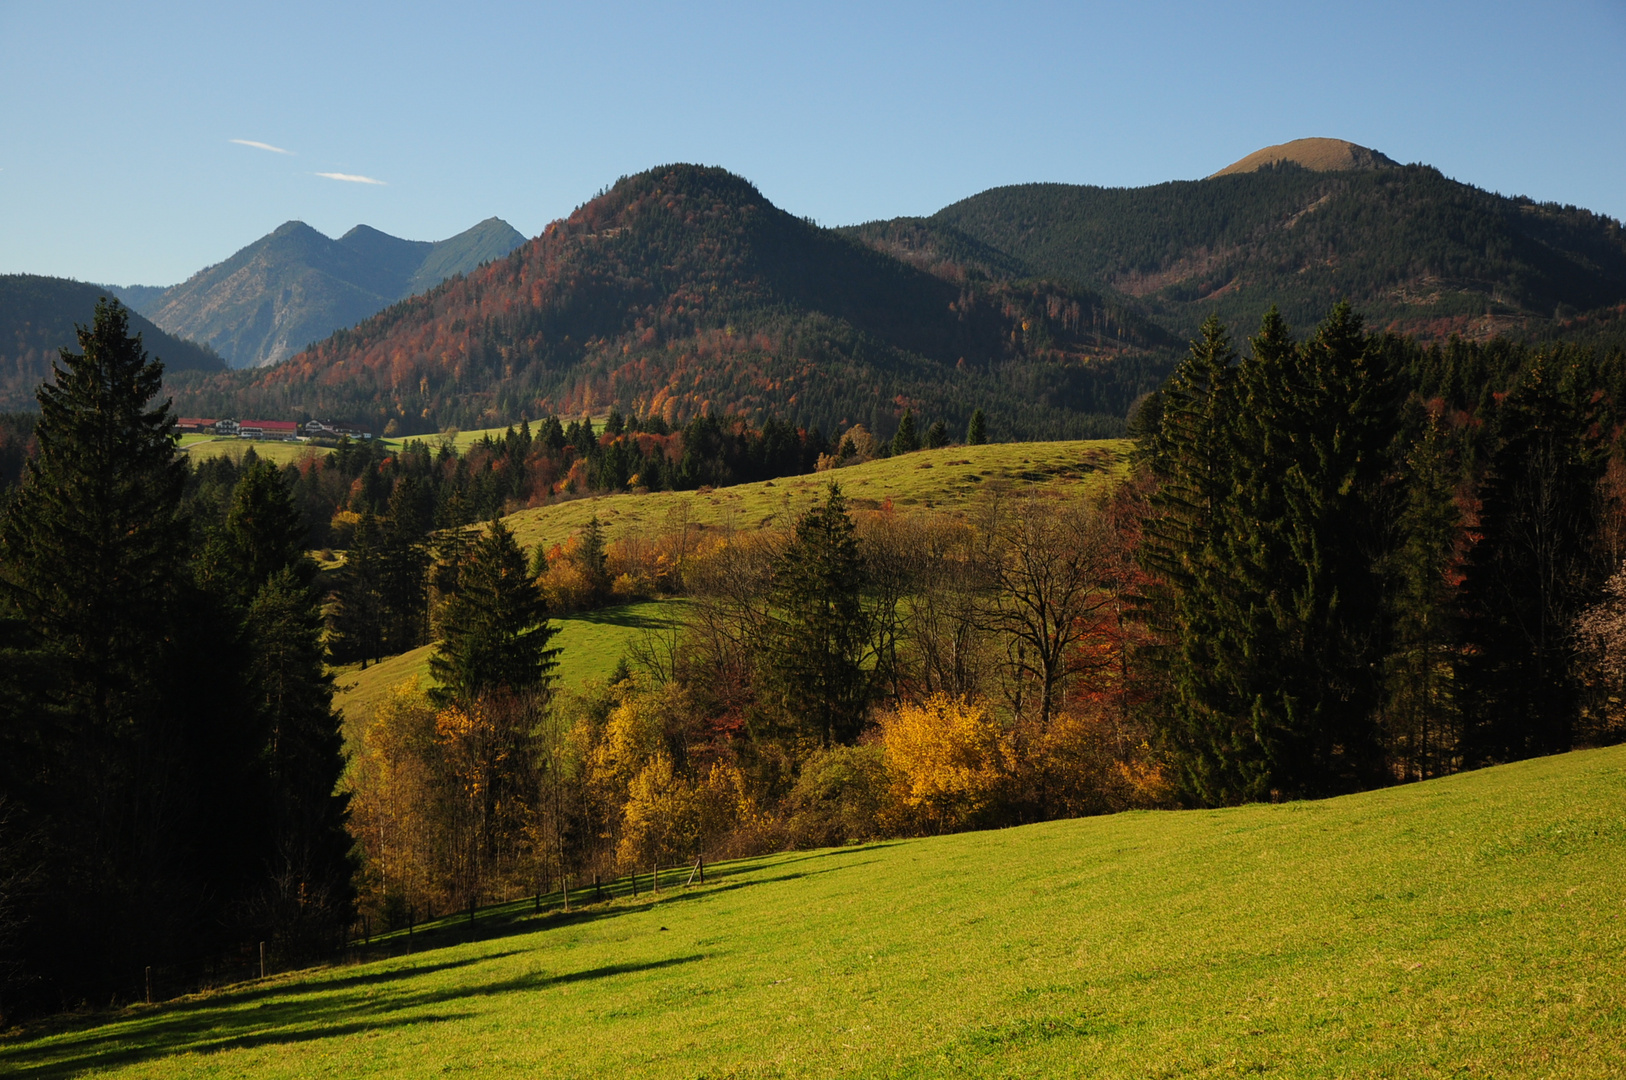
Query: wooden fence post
x,y
149,984
262,959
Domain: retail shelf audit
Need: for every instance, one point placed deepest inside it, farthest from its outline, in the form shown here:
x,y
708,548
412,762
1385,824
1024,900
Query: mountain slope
x,y
1412,249
296,286
37,317
683,290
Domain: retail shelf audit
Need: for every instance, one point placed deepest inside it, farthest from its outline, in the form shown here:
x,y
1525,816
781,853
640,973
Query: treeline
x,y
168,748
1375,562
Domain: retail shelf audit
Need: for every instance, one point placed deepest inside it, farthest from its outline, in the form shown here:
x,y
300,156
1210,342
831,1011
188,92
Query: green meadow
x,y
591,643
940,480
1470,926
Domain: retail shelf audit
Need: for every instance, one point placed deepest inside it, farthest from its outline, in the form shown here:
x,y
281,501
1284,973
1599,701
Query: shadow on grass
x,y
612,901
302,1014
336,1003
622,616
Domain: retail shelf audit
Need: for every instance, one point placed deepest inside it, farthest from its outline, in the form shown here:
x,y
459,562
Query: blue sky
x,y
117,120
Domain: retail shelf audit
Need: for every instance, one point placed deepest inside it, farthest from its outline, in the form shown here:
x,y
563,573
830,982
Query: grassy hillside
x,y
928,480
591,644
1471,926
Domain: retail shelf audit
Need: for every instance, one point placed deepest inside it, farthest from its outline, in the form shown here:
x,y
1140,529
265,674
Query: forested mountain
x,y
683,291
1054,307
37,317
297,286
1415,250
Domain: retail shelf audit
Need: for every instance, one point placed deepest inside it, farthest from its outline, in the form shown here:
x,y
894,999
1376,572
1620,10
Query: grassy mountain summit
x,y
1317,155
682,290
37,317
296,286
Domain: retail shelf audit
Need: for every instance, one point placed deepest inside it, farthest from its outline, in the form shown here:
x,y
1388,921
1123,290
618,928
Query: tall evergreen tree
x,y
1533,567
306,896
1304,550
976,433
907,439
138,773
1190,454
816,656
495,634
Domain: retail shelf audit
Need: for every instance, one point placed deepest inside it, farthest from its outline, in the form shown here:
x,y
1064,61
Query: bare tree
x,y
1049,566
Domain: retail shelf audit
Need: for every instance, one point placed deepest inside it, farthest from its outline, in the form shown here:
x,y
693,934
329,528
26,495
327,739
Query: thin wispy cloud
x,y
350,178
260,146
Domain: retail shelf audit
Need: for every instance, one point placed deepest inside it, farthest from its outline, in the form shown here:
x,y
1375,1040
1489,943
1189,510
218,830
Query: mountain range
x,y
1051,306
296,286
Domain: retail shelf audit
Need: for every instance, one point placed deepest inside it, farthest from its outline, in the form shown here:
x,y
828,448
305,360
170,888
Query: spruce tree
x,y
310,893
94,579
1533,567
1190,455
815,659
976,433
494,634
1303,632
906,440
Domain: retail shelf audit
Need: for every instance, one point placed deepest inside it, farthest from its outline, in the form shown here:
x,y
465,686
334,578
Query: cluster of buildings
x,y
268,429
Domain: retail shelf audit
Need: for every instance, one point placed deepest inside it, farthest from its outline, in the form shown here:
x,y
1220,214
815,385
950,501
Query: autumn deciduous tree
x,y
947,757
1048,575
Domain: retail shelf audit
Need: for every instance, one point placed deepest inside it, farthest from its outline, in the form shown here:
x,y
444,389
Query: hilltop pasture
x,y
941,480
590,644
1469,926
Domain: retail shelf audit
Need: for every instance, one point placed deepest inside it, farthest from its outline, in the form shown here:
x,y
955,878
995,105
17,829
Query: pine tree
x,y
592,559
495,633
96,588
361,593
976,433
1303,552
1533,568
906,441
815,658
937,435
311,897
1190,455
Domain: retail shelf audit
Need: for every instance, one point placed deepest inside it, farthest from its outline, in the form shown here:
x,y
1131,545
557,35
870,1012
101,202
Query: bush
x,y
842,795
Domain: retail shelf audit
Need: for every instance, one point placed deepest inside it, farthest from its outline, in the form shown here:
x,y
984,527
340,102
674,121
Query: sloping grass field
x,y
941,480
1471,926
590,645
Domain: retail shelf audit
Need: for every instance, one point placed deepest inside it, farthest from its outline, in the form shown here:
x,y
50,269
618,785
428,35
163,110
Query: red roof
x,y
270,425
193,421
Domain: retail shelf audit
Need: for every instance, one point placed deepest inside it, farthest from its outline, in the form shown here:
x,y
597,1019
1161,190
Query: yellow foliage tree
x,y
948,759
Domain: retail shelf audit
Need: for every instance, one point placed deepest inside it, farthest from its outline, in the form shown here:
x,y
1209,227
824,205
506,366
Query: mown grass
x,y
1471,926
943,480
591,643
